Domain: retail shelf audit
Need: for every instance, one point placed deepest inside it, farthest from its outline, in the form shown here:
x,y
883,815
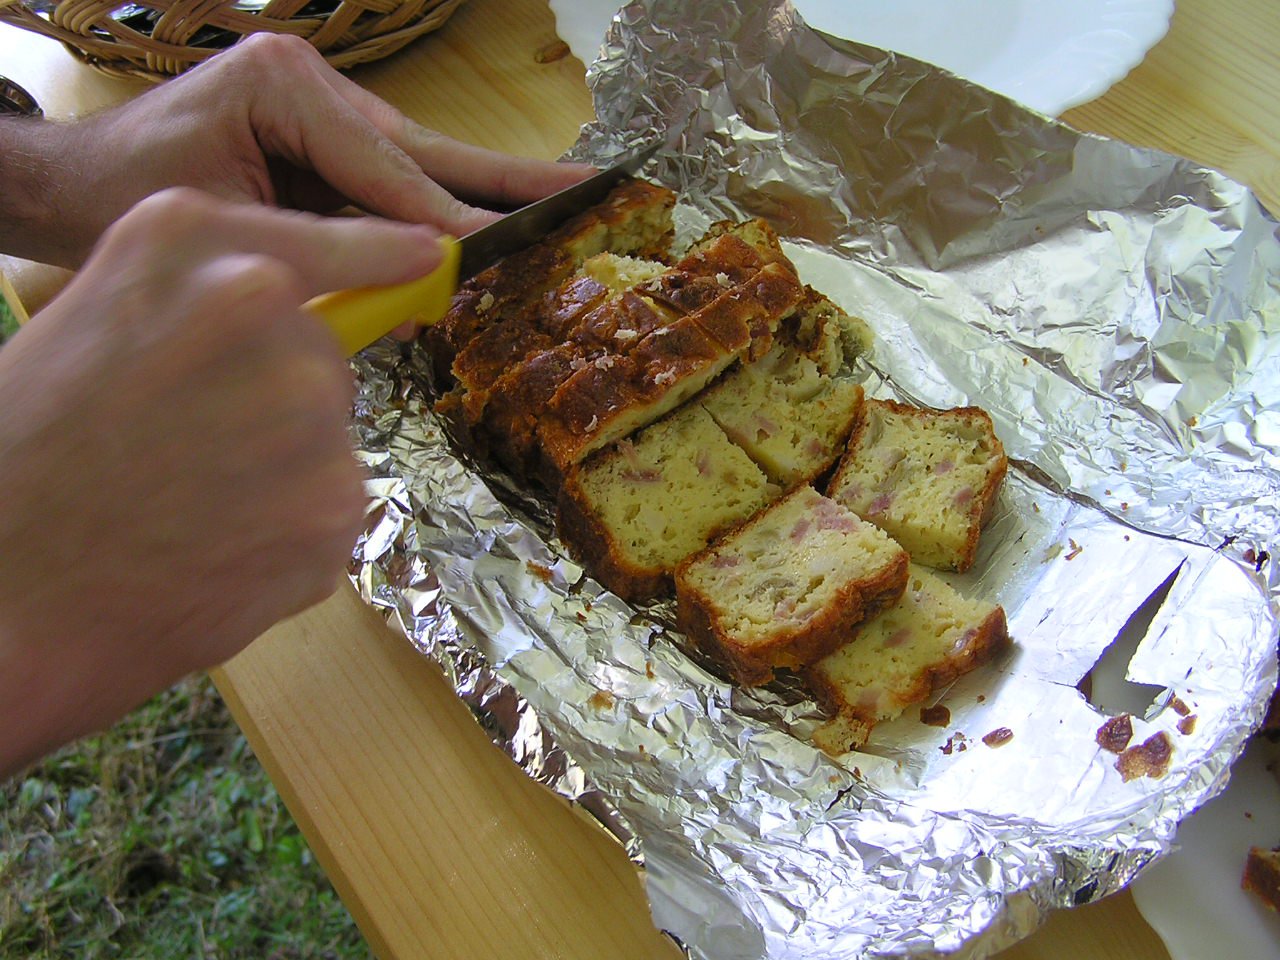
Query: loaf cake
x,y
546,370
632,512
903,656
928,478
787,586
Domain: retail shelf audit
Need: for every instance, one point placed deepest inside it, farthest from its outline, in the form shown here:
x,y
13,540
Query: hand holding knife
x,y
363,315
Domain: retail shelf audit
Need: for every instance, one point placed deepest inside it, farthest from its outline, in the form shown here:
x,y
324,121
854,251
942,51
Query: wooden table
x,y
440,847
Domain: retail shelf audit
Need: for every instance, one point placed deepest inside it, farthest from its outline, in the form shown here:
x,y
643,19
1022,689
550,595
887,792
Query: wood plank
x,y
438,844
1199,93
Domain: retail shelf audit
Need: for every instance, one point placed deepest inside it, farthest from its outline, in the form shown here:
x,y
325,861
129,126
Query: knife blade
x,y
360,316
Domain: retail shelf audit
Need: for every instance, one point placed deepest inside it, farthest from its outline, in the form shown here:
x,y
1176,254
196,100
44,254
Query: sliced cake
x,y
928,478
788,586
904,655
635,219
618,394
632,512
790,417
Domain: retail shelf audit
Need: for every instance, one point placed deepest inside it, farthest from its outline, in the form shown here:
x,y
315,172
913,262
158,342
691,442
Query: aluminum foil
x,y
1116,310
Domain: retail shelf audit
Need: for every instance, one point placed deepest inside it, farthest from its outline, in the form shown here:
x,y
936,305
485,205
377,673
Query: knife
x,y
362,315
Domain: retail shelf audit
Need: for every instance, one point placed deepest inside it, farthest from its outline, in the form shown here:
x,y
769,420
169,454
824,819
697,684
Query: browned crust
x,y
516,402
983,644
980,508
704,274
599,327
592,544
584,413
699,616
520,280
488,356
563,308
1262,875
492,295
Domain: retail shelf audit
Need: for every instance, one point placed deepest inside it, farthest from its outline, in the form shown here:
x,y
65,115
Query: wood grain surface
x,y
440,846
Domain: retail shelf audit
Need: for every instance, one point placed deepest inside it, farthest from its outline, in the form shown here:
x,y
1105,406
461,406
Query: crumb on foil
x,y
1148,759
1114,735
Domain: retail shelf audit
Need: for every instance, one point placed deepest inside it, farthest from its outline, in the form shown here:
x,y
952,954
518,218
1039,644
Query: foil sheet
x,y
1116,310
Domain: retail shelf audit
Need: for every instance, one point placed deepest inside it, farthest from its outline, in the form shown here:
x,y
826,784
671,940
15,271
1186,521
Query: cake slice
x,y
632,512
928,478
787,586
903,656
789,417
617,395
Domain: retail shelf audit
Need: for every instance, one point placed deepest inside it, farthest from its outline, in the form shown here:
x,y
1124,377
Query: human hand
x,y
175,471
269,121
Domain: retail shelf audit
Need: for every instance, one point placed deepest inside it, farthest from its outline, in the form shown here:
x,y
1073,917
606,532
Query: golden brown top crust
x,y
518,399
494,294
563,308
634,218
752,310
493,350
706,273
618,324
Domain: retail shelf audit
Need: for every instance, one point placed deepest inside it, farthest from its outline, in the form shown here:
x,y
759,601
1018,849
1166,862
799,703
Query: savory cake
x,y
790,417
902,656
928,478
787,586
635,219
632,512
617,394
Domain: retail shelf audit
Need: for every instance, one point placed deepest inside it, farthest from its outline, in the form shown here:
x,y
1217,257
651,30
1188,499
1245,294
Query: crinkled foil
x,y
1116,311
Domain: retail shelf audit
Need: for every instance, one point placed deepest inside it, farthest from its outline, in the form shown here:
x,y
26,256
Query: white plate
x,y
1192,898
1047,54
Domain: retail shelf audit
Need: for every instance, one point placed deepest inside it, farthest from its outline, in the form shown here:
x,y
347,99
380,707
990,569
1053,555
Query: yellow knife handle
x,y
360,316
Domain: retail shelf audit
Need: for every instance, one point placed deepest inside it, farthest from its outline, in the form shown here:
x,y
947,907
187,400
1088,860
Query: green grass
x,y
8,322
162,838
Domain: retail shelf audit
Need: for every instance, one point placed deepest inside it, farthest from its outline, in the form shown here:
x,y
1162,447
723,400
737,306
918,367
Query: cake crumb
x,y
1262,875
1187,725
998,737
1179,707
1149,759
543,573
552,52
935,716
1114,735
601,700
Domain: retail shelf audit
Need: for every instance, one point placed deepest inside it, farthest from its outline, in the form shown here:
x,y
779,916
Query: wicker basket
x,y
157,38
